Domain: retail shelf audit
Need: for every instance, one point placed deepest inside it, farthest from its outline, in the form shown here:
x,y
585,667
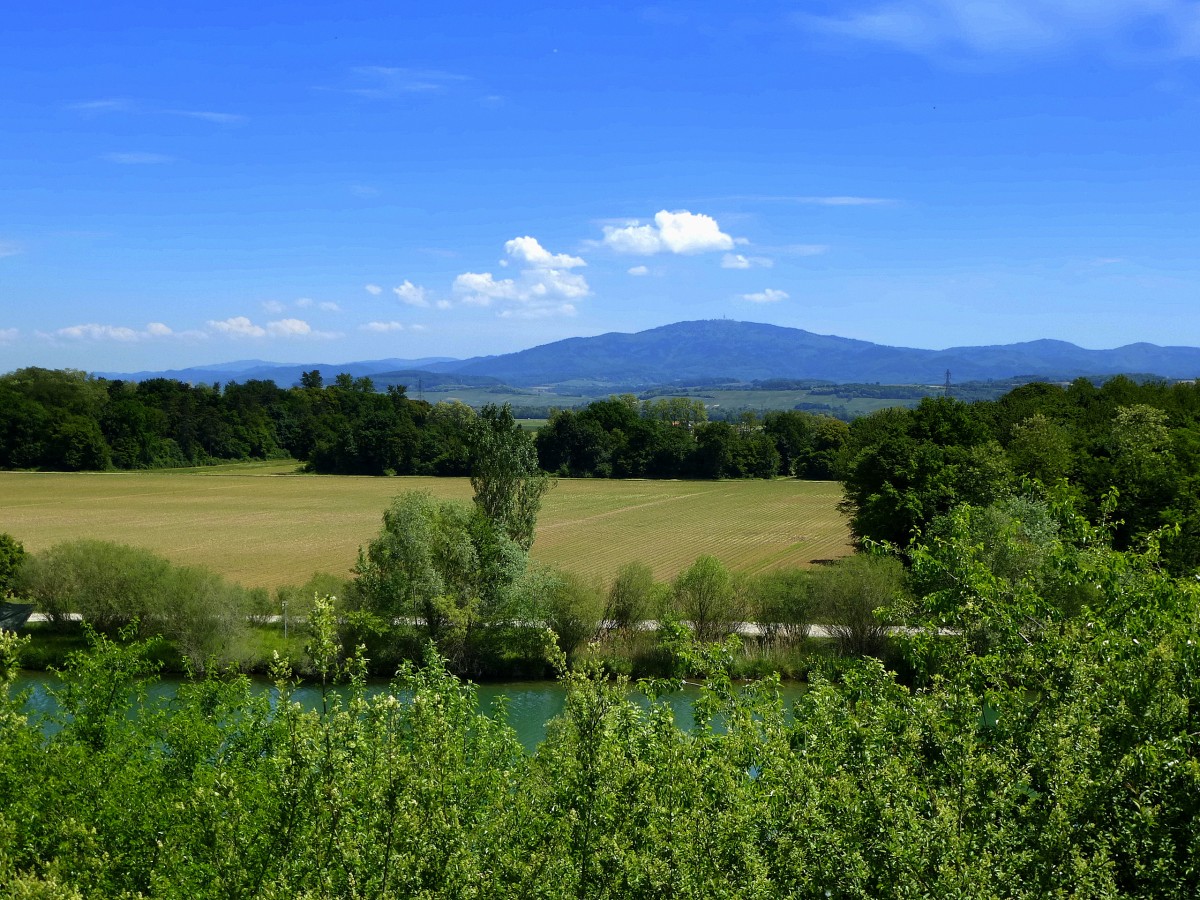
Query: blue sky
x,y
186,183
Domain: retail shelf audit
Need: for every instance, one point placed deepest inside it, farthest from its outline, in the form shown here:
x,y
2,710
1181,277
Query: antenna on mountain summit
x,y
947,382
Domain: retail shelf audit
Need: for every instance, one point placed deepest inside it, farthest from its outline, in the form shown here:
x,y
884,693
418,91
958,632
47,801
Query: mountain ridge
x,y
742,351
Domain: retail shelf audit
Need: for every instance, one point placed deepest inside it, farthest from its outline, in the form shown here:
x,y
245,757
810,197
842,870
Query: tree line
x,y
67,420
1125,454
671,437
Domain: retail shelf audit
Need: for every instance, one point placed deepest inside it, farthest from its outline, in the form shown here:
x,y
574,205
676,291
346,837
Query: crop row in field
x,y
268,528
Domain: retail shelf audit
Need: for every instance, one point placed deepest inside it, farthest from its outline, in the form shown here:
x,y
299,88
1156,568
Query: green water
x,y
530,705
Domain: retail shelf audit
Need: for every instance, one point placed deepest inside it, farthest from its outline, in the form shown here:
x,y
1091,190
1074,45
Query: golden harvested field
x,y
262,527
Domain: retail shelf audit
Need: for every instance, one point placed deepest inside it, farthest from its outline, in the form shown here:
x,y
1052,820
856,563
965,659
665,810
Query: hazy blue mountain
x,y
283,374
720,348
725,349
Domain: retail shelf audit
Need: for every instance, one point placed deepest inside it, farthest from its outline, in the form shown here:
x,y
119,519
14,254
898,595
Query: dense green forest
x,y
67,420
1126,454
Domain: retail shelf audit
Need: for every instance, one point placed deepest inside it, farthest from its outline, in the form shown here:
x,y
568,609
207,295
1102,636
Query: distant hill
x,y
722,349
283,374
748,351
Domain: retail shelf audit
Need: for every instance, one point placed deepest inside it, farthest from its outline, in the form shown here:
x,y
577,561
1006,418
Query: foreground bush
x,y
112,586
1060,759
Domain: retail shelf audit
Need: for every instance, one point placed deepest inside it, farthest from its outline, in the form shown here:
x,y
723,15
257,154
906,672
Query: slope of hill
x,y
746,351
725,349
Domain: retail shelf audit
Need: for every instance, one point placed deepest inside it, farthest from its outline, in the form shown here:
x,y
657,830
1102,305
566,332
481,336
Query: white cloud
x,y
481,288
639,270
137,158
303,303
290,328
373,289
770,295
981,28
382,327
328,306
737,261
274,307
412,294
8,335
94,332
672,232
544,288
237,326
10,248
533,254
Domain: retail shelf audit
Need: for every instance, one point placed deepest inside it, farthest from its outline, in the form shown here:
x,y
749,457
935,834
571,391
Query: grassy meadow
x,y
262,525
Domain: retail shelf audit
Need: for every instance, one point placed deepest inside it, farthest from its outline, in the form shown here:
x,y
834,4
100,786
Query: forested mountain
x,y
748,351
744,351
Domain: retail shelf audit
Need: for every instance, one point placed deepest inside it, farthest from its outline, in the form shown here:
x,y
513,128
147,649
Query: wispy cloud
x,y
216,118
93,331
992,28
738,261
373,289
136,107
11,248
671,232
275,307
8,335
382,327
391,82
639,270
770,295
805,249
137,158
844,200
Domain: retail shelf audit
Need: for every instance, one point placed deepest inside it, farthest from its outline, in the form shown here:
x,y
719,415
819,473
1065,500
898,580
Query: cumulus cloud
x,y
639,270
329,306
412,294
672,232
533,254
242,327
274,307
158,329
373,289
738,261
382,327
770,295
237,326
545,287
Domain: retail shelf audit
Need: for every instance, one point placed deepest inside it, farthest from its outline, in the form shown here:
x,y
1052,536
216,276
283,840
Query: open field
x,y
261,526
